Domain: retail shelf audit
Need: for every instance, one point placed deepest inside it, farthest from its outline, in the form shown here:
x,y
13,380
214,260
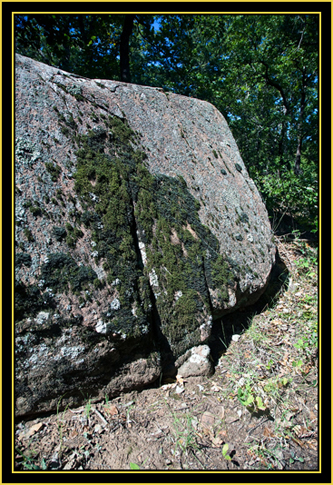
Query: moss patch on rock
x,y
124,204
61,273
106,181
183,255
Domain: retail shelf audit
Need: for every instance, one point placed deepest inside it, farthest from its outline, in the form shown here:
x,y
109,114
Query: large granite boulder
x,y
137,224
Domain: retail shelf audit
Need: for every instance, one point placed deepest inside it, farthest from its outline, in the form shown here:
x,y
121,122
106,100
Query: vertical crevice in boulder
x,y
210,303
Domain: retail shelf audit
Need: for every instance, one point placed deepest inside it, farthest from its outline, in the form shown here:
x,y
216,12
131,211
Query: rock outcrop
x,y
137,224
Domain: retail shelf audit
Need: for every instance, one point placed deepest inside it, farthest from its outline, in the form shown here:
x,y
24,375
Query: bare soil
x,y
258,411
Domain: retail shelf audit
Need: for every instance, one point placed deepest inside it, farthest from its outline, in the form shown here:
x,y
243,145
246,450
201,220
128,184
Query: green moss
x,y
63,87
109,176
78,97
59,233
28,234
29,300
22,259
54,170
61,273
71,242
120,199
64,130
35,210
187,266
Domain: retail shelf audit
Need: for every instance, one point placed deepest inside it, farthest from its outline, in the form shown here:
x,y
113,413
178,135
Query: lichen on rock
x,y
137,225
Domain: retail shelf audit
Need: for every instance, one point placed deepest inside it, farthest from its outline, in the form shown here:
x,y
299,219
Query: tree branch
x,y
276,85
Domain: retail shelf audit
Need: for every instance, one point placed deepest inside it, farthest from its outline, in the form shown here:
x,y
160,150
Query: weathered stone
x,y
198,362
151,228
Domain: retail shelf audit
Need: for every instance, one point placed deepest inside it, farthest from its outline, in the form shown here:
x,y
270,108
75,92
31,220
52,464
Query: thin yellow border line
x,y
1,234
319,260
12,240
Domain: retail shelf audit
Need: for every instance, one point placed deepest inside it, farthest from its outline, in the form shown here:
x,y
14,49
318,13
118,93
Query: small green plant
x,y
270,364
88,408
305,266
225,449
184,433
134,466
294,458
249,398
29,463
297,364
274,385
245,395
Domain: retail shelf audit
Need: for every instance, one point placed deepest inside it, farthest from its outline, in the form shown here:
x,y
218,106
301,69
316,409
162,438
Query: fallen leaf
x,y
208,418
112,410
297,441
34,429
223,433
312,444
312,416
207,432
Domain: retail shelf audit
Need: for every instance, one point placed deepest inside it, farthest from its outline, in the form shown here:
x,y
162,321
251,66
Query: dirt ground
x,y
258,411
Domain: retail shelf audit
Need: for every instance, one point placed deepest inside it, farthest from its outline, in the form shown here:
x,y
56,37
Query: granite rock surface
x,y
137,225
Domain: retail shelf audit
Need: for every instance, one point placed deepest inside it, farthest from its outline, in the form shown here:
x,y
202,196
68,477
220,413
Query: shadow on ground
x,y
239,321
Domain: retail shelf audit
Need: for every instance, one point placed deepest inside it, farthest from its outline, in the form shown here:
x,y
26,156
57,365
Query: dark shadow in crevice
x,y
239,321
161,342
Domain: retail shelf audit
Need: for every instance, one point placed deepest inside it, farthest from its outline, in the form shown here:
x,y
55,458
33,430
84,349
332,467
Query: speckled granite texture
x,y
137,225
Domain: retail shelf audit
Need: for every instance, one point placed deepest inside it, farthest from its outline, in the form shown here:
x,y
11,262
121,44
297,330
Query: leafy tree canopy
x,y
260,71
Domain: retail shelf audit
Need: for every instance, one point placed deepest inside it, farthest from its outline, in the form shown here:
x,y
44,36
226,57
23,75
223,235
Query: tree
x,y
96,46
124,48
260,71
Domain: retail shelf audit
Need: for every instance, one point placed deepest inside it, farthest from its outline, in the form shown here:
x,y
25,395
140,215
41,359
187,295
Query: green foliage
x,y
260,71
287,193
88,45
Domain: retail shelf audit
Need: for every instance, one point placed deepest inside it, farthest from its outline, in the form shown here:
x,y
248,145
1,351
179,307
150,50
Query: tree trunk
x,y
125,75
297,166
